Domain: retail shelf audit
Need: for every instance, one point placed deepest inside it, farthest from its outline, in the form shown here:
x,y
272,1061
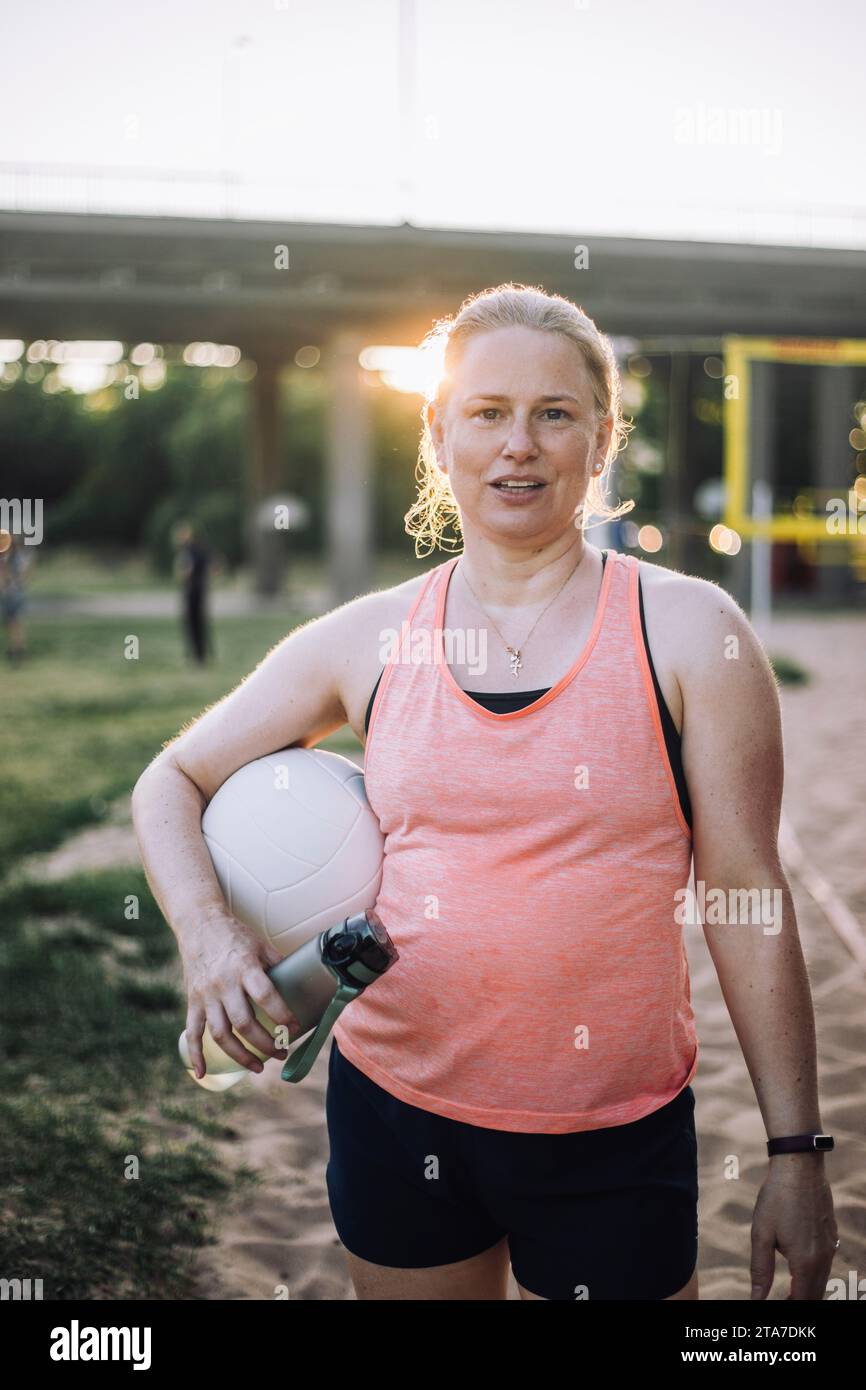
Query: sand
x,y
824,805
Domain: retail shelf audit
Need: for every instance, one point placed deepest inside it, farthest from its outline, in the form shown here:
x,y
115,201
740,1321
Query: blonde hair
x,y
506,306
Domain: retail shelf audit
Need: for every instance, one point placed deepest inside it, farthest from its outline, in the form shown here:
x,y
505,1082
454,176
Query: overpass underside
x,y
272,288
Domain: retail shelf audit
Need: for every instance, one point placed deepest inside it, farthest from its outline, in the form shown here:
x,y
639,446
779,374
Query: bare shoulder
x,y
704,634
361,639
697,614
357,617
687,595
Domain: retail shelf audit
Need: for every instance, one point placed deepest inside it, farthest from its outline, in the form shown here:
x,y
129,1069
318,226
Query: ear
x,y
433,416
602,443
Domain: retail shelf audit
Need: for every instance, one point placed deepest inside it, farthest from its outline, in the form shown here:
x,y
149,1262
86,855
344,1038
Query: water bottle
x,y
317,981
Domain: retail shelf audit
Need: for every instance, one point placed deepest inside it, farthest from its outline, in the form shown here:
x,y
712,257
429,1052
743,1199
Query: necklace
x,y
514,653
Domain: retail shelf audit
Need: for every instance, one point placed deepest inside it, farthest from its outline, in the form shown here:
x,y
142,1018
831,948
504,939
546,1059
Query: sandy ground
x,y
283,1235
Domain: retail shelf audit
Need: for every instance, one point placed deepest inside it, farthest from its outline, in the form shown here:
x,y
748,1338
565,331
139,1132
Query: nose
x,y
520,443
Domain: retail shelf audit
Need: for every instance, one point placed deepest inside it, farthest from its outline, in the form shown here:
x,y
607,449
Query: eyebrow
x,y
491,396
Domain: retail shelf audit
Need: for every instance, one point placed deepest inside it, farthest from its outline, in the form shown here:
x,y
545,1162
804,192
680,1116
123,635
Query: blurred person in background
x,y
14,564
192,564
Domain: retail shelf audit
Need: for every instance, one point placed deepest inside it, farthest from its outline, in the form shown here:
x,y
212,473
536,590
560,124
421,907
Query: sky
x,y
738,121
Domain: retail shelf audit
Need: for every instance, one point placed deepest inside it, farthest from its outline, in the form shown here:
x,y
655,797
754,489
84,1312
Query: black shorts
x,y
601,1214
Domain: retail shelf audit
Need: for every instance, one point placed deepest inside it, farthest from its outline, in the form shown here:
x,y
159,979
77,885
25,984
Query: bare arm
x,y
733,760
291,698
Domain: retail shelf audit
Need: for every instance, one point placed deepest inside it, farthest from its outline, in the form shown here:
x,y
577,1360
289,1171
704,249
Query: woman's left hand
x,y
794,1214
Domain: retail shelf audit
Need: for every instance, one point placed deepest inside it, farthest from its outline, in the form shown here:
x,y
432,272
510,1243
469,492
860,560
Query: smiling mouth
x,y
518,487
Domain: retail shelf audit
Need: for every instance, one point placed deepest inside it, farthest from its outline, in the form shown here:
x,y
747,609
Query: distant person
x,y
13,567
191,569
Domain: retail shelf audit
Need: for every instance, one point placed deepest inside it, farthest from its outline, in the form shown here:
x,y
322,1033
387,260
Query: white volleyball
x,y
295,844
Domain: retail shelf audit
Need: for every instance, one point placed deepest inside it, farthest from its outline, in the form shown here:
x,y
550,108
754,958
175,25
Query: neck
x,y
511,579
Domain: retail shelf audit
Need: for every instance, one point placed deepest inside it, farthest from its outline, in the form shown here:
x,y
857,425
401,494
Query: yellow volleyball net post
x,y
801,523
819,517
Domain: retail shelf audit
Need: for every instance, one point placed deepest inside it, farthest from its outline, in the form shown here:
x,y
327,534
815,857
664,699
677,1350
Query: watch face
x,y
823,1141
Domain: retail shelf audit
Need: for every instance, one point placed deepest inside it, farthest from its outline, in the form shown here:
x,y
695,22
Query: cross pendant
x,y
514,658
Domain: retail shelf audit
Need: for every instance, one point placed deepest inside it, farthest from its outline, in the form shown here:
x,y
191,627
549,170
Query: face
x,y
520,405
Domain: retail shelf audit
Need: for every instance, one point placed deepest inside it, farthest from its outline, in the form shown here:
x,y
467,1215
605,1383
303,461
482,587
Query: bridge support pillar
x,y
348,492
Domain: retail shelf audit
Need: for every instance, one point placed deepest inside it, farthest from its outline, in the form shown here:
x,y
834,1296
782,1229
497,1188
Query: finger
x,y
260,987
195,1021
244,1021
763,1265
271,953
284,1033
221,1032
808,1279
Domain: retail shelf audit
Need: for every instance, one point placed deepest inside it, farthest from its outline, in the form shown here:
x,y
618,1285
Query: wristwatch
x,y
801,1143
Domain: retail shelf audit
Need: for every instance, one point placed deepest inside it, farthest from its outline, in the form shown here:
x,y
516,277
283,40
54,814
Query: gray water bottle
x,y
317,981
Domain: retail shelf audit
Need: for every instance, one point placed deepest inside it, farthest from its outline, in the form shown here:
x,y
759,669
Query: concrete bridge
x,y
168,279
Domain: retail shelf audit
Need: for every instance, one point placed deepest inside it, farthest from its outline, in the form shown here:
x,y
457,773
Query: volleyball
x,y
295,844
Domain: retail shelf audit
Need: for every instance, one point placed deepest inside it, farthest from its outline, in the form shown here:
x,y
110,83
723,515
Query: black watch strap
x,y
801,1143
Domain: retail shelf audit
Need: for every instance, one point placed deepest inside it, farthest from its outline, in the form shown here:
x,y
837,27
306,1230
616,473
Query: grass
x,y
57,573
109,1182
107,1177
79,721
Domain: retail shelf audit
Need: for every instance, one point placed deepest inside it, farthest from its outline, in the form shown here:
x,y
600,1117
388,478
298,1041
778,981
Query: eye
x,y
489,412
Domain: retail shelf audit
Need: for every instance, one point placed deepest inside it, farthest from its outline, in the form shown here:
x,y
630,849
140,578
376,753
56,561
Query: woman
x,y
518,1086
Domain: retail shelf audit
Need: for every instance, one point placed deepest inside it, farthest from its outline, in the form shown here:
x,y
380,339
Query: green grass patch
x,y
106,1175
79,721
96,1215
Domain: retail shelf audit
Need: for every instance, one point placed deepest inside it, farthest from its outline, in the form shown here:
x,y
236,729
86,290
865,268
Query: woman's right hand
x,y
224,964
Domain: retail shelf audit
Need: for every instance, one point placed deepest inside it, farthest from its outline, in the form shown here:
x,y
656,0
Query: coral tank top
x,y
531,865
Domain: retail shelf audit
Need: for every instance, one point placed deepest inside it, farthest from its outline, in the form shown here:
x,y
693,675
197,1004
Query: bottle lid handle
x,y
303,1057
